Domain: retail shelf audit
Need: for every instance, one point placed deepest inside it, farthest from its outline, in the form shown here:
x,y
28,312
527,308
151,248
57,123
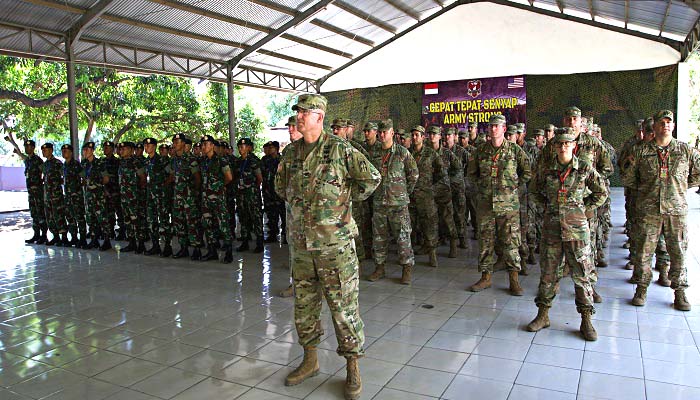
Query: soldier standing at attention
x,y
423,209
372,146
33,167
399,174
497,168
662,171
457,184
567,188
249,178
232,190
533,148
75,202
442,189
274,206
132,177
187,182
623,161
157,210
114,204
164,151
294,135
513,135
406,140
318,176
549,132
216,174
54,204
470,189
94,179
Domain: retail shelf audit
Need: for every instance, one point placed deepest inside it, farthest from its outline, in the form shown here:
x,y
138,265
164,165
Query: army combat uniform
x,y
95,203
131,177
75,201
158,171
186,212
248,177
54,201
459,194
33,167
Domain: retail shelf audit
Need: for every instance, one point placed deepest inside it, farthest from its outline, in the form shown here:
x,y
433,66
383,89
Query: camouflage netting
x,y
615,100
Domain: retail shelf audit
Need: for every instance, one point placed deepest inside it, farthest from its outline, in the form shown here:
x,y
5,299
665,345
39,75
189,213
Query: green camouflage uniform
x,y
566,236
249,202
95,203
361,212
399,174
318,181
498,173
604,210
54,203
457,188
274,206
215,219
33,167
231,194
661,204
443,193
423,209
470,189
75,201
534,212
622,163
367,211
186,213
158,208
130,169
112,193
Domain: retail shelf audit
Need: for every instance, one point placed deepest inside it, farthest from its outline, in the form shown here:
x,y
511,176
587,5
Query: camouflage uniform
x,y
54,203
604,210
231,194
623,161
112,193
248,201
318,182
274,206
367,211
215,219
361,212
158,171
443,193
423,208
95,203
186,212
534,212
470,189
459,193
75,204
130,172
33,167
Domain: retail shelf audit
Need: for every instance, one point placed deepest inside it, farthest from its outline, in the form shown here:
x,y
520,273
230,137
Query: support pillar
x,y
231,107
72,105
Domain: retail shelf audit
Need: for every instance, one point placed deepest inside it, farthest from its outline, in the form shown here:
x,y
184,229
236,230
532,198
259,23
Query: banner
x,y
457,103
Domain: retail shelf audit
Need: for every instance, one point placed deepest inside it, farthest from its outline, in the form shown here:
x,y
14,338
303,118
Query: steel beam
x,y
365,16
663,22
231,106
591,9
72,102
692,41
92,14
397,4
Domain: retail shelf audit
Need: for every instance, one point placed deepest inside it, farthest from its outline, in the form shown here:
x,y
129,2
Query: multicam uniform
x,y
422,207
443,192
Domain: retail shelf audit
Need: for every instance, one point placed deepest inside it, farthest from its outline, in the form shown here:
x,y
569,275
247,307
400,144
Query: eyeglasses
x,y
305,112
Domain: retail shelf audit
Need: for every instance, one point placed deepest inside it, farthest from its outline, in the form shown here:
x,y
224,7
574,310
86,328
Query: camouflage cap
x,y
369,126
405,135
291,121
418,128
512,130
150,141
473,124
339,123
463,133
180,136
400,131
311,102
538,132
434,130
549,127
244,140
351,122
385,125
108,144
572,111
451,131
663,114
67,147
29,142
497,119
520,125
564,135
89,145
640,124
648,125
48,145
208,138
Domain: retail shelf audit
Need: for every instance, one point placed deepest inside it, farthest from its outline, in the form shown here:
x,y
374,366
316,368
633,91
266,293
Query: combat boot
x,y
640,296
243,246
106,245
433,258
515,288
130,247
626,245
34,238
587,329
73,241
453,249
81,242
184,252
94,244
288,292
64,242
597,298
680,302
523,267
541,321
483,283
602,263
531,257
307,369
629,266
141,248
154,250
42,239
406,275
259,247
53,240
196,254
228,256
462,243
378,273
353,382
120,235
663,275
211,255
167,250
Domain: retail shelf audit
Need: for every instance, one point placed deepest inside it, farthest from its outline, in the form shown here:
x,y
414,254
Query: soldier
x,y
521,134
187,181
164,151
406,140
249,178
422,207
231,191
33,167
196,149
294,135
95,177
533,148
54,205
274,206
567,189
75,202
158,183
132,176
513,134
623,160
114,205
443,191
549,132
497,168
458,186
399,174
322,232
142,201
469,187
662,171
372,147
604,211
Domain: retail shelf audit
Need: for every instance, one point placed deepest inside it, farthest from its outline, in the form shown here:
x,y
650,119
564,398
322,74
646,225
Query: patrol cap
x,y
339,123
311,102
208,138
473,124
291,121
89,145
400,131
351,122
405,135
370,126
29,142
180,136
67,147
385,125
538,132
418,128
244,140
564,135
572,111
463,133
497,119
108,143
434,129
521,127
150,141
549,127
187,140
512,130
648,125
451,131
663,114
47,146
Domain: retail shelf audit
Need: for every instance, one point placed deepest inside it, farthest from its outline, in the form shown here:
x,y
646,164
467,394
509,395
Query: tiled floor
x,y
80,324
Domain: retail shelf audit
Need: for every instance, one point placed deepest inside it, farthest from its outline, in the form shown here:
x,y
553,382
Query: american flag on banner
x,y
516,83
431,88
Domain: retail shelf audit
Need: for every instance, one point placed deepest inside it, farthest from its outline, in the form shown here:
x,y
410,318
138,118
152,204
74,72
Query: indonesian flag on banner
x,y
431,88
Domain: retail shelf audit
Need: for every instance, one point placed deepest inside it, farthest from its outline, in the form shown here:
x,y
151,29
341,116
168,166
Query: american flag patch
x,y
516,83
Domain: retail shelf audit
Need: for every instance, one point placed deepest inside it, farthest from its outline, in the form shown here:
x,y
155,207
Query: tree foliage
x,y
280,107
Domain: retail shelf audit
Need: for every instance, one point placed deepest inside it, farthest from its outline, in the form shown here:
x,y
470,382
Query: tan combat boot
x,y
462,243
523,267
433,258
515,288
307,369
378,273
483,283
453,249
288,292
640,296
406,275
680,302
663,275
353,382
629,266
541,321
587,329
597,298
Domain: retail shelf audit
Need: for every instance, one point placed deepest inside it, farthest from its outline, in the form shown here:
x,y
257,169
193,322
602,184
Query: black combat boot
x,y
33,239
155,249
196,254
81,242
55,239
73,241
141,248
211,255
182,253
130,247
259,247
106,245
42,239
120,235
167,250
271,238
94,242
64,240
243,246
228,257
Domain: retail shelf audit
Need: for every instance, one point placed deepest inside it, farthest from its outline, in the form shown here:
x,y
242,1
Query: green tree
x,y
248,124
280,107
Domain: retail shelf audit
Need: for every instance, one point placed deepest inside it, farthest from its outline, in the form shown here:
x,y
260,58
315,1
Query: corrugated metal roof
x,y
213,32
